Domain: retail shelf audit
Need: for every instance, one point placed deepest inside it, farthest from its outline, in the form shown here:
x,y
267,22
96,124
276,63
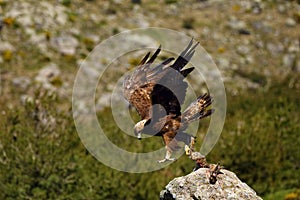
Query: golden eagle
x,y
158,92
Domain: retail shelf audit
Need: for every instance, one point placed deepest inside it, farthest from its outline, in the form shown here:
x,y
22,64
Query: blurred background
x,y
256,45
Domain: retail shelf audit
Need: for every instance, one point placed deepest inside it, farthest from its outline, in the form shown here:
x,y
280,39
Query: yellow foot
x,y
187,150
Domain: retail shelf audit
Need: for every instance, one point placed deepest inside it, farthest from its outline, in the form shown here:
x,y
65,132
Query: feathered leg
x,y
188,140
171,144
168,156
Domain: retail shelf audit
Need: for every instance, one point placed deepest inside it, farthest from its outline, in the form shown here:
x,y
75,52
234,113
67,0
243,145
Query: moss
x,y
7,55
66,2
89,43
236,8
221,49
56,81
8,21
170,1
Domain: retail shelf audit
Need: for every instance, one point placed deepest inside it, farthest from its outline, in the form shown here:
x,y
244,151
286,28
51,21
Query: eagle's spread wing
x,y
170,90
162,84
138,86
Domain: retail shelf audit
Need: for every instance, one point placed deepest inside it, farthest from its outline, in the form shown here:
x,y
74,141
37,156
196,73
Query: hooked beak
x,y
139,136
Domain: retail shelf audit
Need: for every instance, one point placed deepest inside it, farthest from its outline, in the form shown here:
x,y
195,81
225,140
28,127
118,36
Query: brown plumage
x,y
158,92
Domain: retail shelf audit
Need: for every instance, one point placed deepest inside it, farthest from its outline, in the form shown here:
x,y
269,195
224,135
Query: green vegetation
x,y
42,156
284,194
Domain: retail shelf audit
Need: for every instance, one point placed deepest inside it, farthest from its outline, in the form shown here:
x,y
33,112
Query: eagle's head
x,y
139,127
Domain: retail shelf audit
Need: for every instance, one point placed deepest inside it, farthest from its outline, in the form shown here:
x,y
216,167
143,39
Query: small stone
x,y
262,26
65,44
243,50
6,46
259,44
256,7
206,31
94,38
249,59
281,8
290,22
103,101
26,99
223,63
139,20
48,76
21,82
288,60
274,49
294,47
236,24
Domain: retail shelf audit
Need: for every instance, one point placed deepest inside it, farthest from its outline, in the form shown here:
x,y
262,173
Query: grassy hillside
x,y
42,156
254,43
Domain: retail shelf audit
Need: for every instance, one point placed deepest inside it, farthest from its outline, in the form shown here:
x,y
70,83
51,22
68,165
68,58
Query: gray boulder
x,y
196,186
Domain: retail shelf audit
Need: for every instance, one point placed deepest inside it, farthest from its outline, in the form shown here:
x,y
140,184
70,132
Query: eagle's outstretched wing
x,y
138,86
170,90
162,84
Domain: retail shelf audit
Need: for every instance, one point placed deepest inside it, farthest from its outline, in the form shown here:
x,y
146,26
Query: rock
x,y
103,101
274,49
26,99
290,22
236,24
206,31
281,8
196,186
257,7
21,82
243,50
65,44
6,46
262,26
138,20
93,38
40,41
223,63
41,15
288,60
49,76
294,47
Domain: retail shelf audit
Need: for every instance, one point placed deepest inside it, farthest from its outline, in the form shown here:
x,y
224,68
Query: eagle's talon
x,y
187,150
166,159
162,161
